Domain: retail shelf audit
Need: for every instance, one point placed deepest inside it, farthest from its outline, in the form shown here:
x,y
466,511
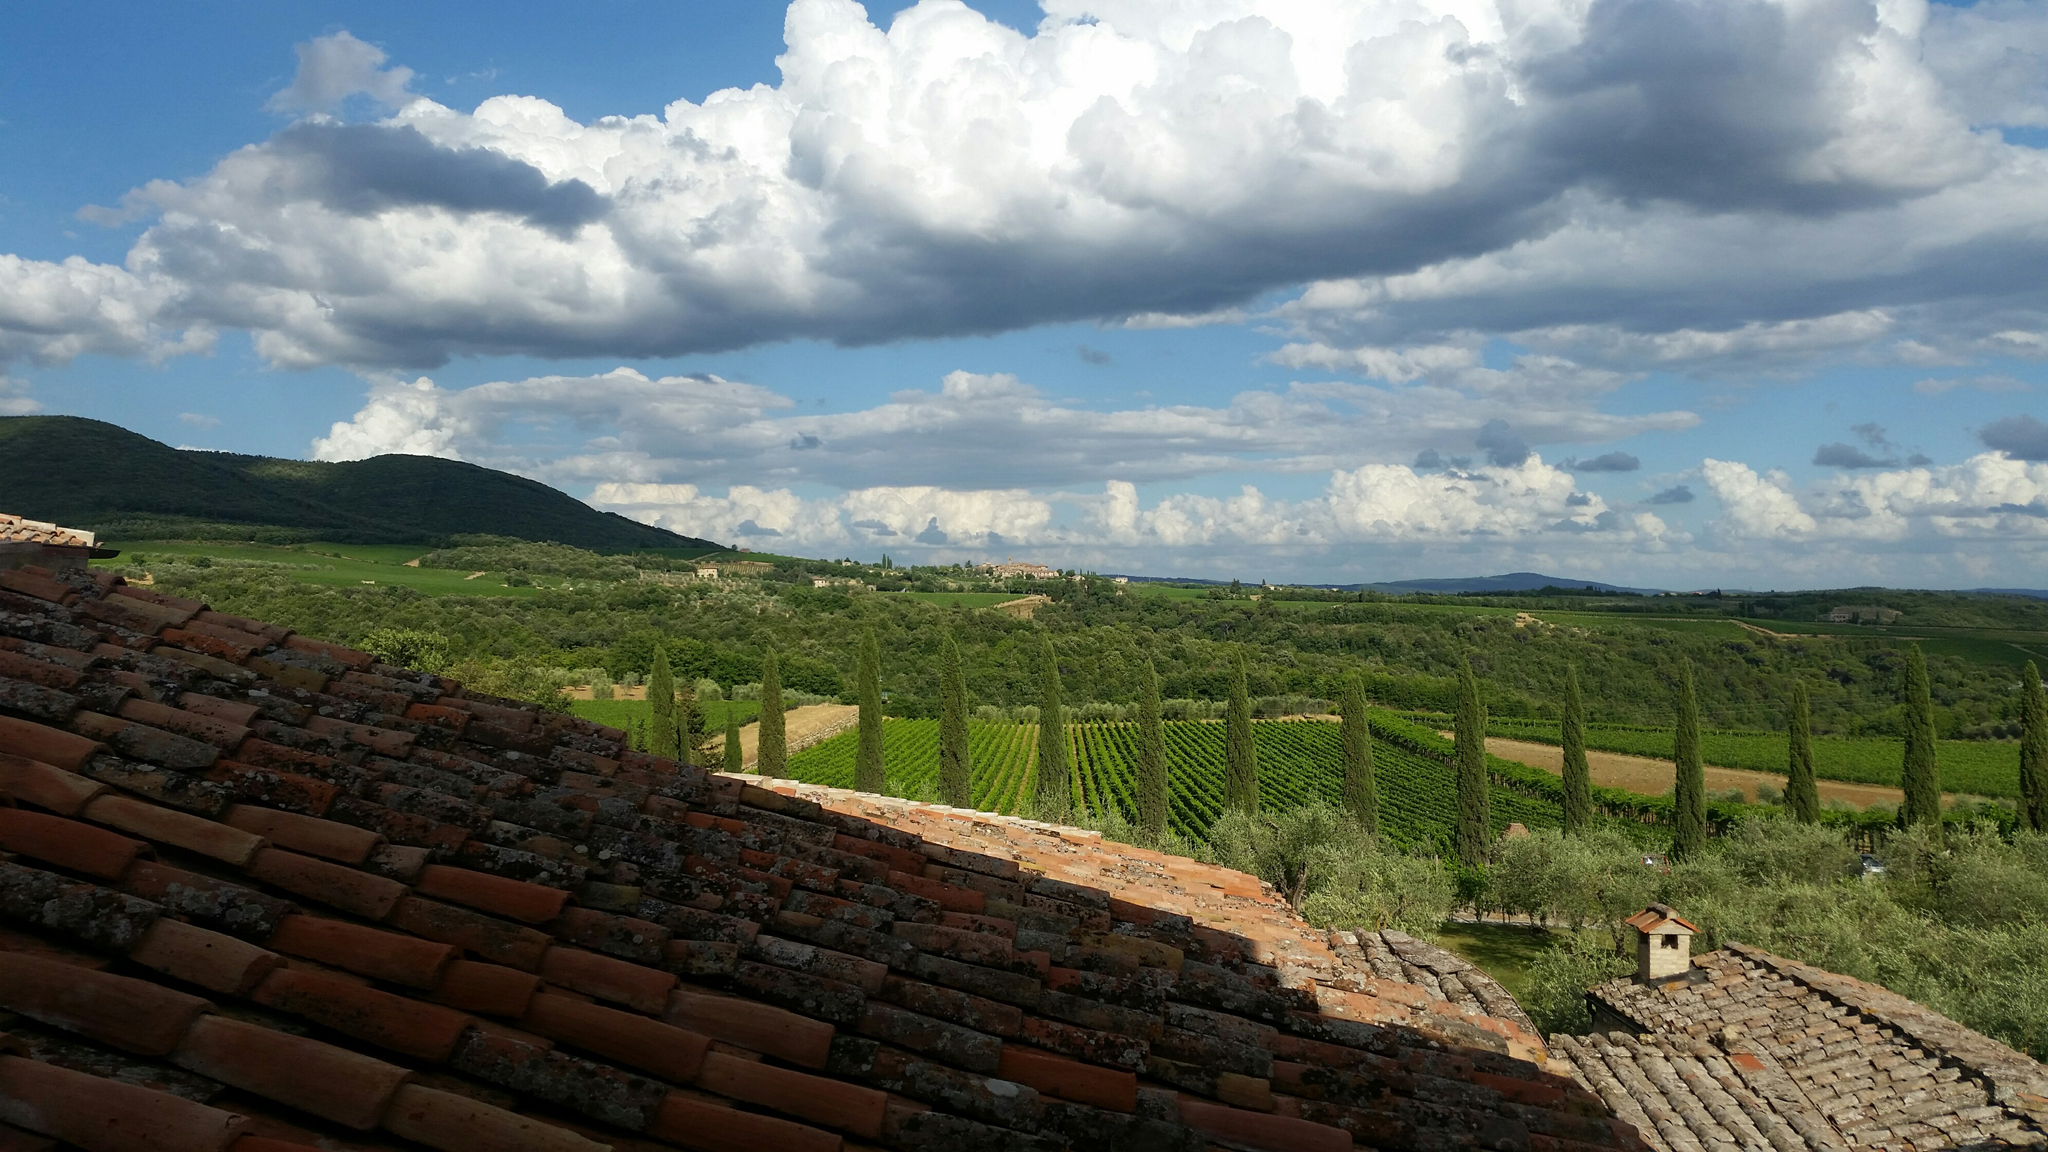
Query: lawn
x,y
1502,951
335,565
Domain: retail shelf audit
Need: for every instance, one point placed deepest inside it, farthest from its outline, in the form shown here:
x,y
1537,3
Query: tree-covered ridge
x,y
1406,653
123,484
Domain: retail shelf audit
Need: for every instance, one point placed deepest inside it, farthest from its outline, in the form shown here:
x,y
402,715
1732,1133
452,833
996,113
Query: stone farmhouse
x,y
1863,614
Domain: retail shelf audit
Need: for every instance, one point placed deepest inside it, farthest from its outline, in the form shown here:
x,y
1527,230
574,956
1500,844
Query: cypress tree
x,y
1151,754
735,758
1240,757
868,773
1361,798
2033,751
1474,807
691,734
1921,777
771,757
1578,779
661,704
1689,816
1052,793
1802,795
955,775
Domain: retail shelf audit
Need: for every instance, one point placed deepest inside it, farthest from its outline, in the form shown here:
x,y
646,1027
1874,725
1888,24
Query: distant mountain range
x,y
1509,582
97,476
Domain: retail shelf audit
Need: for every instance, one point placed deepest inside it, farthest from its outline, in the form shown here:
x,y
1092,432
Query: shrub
x,y
1560,976
409,648
1336,874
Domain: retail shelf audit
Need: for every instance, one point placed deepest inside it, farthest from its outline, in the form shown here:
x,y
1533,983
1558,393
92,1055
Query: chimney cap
x,y
1660,918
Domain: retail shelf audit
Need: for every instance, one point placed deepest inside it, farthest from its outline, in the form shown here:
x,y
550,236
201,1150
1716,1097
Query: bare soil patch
x,y
801,728
1652,777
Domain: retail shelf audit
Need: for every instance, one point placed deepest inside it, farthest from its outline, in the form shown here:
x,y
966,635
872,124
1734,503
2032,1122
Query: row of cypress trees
x,y
677,724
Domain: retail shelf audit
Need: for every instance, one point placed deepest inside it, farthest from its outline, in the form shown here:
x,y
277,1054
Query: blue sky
x,y
1227,288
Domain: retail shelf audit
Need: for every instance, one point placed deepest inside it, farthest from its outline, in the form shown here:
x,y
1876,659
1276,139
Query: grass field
x,y
1502,951
335,565
1976,645
1979,767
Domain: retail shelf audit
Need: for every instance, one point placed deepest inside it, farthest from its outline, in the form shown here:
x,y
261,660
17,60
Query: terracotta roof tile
x,y
502,896
68,844
447,1121
209,960
489,989
41,532
50,745
106,1115
222,842
327,839
696,1121
825,1102
329,1082
268,1144
366,951
380,1018
482,936
637,986
326,882
132,1015
221,905
773,1031
45,785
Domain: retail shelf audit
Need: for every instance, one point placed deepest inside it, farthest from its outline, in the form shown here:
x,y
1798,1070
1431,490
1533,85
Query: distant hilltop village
x,y
1014,568
1010,568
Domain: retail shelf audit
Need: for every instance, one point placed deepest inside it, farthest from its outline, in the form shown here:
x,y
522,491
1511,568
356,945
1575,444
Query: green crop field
x,y
1298,760
334,565
1605,621
1979,767
621,714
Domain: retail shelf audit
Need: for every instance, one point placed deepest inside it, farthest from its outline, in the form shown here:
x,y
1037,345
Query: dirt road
x,y
1653,777
801,727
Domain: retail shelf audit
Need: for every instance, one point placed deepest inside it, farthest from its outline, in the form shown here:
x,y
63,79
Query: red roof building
x,y
34,542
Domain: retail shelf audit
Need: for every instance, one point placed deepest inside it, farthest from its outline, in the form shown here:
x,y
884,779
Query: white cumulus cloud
x,y
1473,167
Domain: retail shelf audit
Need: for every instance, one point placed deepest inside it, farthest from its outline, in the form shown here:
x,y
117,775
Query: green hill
x,y
94,475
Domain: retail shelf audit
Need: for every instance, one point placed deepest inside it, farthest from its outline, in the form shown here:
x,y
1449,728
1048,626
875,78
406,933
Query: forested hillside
x,y
94,475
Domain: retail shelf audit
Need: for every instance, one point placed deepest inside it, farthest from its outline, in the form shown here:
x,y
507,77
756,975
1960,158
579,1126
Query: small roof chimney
x,y
1663,944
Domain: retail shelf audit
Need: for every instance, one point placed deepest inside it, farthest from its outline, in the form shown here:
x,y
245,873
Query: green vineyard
x,y
1298,760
